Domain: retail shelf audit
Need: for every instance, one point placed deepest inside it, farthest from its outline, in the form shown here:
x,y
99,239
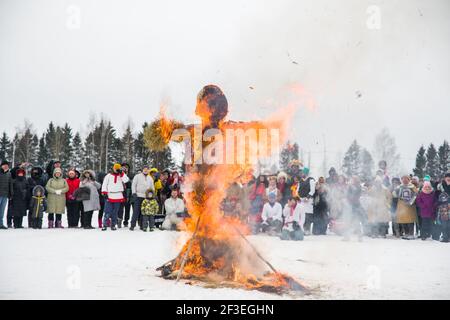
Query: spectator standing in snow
x,y
113,188
36,179
73,206
149,209
306,190
378,211
320,208
38,205
92,203
56,188
354,220
5,190
294,219
283,187
443,207
256,198
426,202
141,183
19,203
395,183
125,208
406,208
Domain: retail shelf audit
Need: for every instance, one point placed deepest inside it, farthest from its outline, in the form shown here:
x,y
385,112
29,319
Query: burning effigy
x,y
218,254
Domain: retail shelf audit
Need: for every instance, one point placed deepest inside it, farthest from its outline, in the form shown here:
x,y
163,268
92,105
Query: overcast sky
x,y
359,70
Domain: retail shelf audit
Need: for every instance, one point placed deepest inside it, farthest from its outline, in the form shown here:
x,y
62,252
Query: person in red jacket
x,y
73,206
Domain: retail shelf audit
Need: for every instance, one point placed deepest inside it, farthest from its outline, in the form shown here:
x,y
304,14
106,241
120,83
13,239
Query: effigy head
x,y
212,105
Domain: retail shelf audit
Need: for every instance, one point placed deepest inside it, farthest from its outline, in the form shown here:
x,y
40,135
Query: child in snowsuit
x,y
38,204
149,208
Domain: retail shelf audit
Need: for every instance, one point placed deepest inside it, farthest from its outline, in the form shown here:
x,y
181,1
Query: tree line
x,y
98,149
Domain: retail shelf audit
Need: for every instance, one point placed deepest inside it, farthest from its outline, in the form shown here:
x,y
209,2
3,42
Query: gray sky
x,y
361,70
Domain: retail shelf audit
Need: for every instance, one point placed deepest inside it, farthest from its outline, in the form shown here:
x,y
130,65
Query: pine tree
x,y
421,162
78,152
351,163
43,156
141,151
66,152
127,146
5,147
366,165
444,159
288,153
26,145
432,166
162,159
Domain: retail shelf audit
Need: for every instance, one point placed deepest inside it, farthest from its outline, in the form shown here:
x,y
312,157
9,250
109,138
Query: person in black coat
x,y
19,203
5,189
101,176
36,179
320,209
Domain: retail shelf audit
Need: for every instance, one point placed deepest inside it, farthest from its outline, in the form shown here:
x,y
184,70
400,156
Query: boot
x,y
59,225
119,223
50,224
104,228
100,223
113,228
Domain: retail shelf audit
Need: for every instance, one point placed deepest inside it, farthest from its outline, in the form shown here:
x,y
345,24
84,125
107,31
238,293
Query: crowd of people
x,y
289,205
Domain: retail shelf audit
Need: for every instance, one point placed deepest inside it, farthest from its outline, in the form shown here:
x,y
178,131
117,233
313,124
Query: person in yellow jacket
x,y
156,180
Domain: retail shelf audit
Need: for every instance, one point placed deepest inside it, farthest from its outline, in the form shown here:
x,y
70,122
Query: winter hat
x,y
152,170
282,175
427,178
272,196
20,170
306,170
117,166
57,170
4,162
447,175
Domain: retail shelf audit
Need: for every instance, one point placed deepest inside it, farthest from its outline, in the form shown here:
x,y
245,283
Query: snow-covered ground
x,y
90,264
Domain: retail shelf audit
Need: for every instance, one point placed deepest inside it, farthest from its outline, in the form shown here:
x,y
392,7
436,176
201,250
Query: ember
x,y
218,254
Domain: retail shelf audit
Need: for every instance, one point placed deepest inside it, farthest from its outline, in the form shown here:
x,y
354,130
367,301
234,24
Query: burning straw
x,y
218,254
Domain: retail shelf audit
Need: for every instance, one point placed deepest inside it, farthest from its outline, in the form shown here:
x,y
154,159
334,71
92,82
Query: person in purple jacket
x,y
426,201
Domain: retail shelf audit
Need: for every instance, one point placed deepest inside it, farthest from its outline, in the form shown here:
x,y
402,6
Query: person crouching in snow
x,y
149,209
294,219
426,202
56,188
38,204
406,208
272,215
173,207
113,188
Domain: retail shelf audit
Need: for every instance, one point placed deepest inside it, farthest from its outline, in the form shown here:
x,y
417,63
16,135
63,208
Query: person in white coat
x,y
141,183
113,188
294,218
272,215
173,208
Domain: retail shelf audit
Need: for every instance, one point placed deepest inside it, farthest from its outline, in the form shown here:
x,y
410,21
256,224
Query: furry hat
x,y
282,175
